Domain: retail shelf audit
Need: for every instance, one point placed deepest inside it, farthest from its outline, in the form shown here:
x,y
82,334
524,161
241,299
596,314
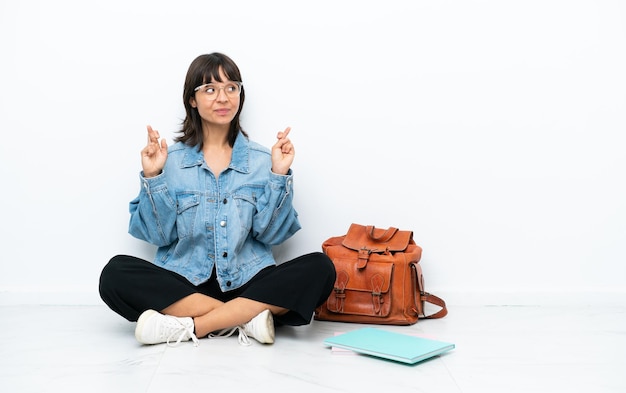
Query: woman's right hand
x,y
154,155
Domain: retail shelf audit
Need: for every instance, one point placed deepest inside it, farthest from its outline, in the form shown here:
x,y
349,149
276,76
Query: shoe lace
x,y
182,330
243,337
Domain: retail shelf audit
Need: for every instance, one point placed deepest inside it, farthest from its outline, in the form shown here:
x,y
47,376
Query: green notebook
x,y
389,345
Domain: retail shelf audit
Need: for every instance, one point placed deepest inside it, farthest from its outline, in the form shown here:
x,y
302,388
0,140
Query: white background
x,y
492,129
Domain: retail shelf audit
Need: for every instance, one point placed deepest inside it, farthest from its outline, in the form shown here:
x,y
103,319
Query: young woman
x,y
214,204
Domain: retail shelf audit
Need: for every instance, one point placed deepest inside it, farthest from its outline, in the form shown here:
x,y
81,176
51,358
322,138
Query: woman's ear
x,y
192,102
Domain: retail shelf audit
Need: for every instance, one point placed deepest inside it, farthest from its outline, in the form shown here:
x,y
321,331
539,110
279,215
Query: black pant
x,y
130,285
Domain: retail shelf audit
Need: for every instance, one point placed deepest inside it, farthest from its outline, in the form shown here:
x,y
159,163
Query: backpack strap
x,y
422,296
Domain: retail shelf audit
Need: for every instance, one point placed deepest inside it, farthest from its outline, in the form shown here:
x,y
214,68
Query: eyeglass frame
x,y
221,88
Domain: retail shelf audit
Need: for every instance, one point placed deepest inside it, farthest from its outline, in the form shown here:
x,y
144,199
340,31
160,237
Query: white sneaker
x,y
243,339
261,328
156,328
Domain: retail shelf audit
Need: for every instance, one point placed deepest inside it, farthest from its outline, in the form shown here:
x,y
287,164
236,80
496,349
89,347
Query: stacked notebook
x,y
389,345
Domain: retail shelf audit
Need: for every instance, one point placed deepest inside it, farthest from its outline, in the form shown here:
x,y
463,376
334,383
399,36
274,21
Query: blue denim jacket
x,y
199,222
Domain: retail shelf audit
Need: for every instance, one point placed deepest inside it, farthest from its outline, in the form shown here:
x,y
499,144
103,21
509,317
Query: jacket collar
x,y
240,160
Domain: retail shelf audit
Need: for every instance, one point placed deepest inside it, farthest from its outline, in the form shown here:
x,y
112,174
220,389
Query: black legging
x,y
130,285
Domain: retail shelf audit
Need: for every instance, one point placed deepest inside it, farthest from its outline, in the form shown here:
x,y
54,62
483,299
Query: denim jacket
x,y
198,222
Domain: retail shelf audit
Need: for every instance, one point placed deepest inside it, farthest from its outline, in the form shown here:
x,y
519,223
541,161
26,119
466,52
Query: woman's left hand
x,y
282,153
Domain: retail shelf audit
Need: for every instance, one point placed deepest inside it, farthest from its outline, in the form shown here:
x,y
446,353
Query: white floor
x,y
498,349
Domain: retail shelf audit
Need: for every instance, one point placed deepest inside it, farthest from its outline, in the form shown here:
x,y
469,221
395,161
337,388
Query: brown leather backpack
x,y
379,279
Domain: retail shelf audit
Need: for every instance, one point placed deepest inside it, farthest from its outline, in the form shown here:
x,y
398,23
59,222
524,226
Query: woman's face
x,y
217,102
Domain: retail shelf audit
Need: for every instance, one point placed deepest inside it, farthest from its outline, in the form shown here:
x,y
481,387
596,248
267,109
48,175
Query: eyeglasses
x,y
211,91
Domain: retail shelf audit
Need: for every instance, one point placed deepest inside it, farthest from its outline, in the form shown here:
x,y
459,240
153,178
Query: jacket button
x,y
225,254
225,201
228,283
222,223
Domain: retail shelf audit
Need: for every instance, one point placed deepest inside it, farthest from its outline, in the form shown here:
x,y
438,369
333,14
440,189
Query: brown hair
x,y
204,69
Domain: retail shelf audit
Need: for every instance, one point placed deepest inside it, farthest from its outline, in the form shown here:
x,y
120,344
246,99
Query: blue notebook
x,y
389,345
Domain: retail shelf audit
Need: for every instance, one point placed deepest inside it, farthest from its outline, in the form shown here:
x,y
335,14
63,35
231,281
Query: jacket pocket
x,y
246,203
186,212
